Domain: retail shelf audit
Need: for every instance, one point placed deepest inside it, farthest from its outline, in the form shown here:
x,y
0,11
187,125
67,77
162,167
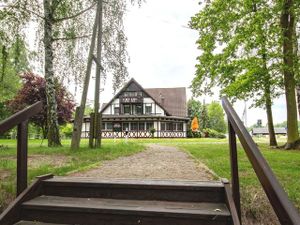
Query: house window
x,y
180,126
134,126
125,126
103,126
127,109
109,126
148,108
174,127
169,126
141,126
139,109
149,125
117,110
163,126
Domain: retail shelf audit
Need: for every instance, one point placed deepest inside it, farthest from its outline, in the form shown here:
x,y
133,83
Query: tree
x,y
108,29
13,60
288,35
216,117
241,52
194,108
33,90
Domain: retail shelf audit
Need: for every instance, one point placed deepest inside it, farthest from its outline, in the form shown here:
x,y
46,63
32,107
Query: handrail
x,y
20,119
284,209
20,116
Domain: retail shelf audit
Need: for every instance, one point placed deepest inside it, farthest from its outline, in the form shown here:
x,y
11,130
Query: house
x,y
143,113
265,131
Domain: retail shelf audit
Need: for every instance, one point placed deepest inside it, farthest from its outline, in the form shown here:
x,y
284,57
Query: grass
x,y
285,165
58,161
212,152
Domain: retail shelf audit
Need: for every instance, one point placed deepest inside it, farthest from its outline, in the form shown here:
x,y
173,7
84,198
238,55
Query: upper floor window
x,y
139,109
133,94
117,110
148,108
127,109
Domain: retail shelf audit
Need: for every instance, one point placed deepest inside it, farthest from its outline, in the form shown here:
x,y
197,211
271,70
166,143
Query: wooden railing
x,y
284,209
20,120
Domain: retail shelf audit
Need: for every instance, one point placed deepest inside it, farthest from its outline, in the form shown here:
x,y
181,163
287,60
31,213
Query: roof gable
x,y
133,85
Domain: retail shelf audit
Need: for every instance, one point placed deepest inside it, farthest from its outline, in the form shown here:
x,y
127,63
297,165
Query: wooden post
x,y
92,130
22,151
234,169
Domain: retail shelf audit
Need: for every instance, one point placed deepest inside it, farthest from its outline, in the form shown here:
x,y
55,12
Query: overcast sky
x,y
163,51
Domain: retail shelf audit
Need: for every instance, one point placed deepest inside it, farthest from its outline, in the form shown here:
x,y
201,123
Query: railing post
x,y
234,169
22,151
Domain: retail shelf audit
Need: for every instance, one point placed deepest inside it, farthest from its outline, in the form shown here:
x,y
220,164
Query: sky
x,y
163,52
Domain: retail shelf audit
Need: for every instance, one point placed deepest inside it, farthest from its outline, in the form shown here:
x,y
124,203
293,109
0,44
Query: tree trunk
x,y
52,123
272,136
76,135
287,25
267,92
97,118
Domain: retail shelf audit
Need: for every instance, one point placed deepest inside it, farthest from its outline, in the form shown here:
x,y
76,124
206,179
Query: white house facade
x,y
136,112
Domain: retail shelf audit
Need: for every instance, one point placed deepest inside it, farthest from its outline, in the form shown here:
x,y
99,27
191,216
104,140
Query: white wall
x,y
110,110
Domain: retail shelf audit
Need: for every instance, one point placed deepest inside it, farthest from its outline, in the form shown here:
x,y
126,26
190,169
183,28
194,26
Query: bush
x,y
191,134
67,130
213,133
152,131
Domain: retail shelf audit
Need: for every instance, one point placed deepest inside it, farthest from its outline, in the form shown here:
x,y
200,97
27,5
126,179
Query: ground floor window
x,y
149,125
109,126
142,126
171,126
125,126
134,126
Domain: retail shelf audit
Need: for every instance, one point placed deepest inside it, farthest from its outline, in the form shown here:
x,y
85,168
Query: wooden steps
x,y
86,201
185,191
36,223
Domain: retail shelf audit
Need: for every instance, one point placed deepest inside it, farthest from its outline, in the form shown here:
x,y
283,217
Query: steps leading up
x,y
87,201
186,191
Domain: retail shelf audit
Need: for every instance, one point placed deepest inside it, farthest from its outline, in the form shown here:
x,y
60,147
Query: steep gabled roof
x,y
132,80
172,99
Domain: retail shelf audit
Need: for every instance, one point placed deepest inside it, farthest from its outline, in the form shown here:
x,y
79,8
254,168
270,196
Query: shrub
x,y
213,133
152,131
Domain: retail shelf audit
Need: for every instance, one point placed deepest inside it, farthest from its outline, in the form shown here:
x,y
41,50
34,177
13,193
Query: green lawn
x,y
212,152
285,164
58,161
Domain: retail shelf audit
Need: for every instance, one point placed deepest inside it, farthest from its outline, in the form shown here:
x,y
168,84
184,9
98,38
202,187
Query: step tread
x,y
36,223
135,183
94,205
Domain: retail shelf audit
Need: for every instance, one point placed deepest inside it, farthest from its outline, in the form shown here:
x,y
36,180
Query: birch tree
x,y
64,36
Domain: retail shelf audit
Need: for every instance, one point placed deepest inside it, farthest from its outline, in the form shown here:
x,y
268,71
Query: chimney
x,y
162,99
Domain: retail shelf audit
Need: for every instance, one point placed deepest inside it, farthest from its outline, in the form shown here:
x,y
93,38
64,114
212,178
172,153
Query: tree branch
x,y
22,8
71,38
75,15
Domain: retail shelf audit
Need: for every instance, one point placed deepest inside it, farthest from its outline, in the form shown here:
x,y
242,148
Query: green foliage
x,y
72,161
216,117
285,165
240,44
194,108
209,116
211,133
67,130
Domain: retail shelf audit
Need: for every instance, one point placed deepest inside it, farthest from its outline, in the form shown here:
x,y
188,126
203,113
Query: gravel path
x,y
156,162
